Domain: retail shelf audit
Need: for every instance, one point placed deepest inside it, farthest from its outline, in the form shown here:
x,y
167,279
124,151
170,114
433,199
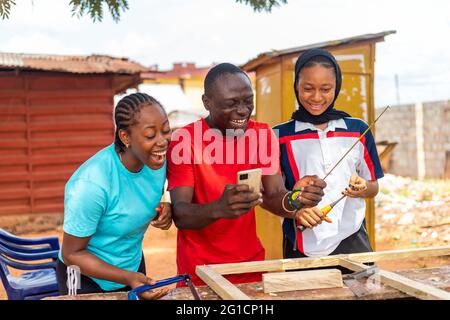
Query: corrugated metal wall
x,y
49,125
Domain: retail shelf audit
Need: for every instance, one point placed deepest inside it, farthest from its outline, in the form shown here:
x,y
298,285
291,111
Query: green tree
x,y
95,8
262,5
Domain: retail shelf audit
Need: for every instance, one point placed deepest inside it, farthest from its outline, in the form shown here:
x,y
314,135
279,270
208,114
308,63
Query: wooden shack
x,y
55,112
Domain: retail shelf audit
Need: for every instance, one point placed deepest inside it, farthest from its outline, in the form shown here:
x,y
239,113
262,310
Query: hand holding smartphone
x,y
252,178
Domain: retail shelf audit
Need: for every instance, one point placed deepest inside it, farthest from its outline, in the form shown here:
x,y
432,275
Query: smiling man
x,y
214,215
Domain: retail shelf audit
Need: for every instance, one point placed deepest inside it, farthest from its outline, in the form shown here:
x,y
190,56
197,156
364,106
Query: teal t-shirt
x,y
114,206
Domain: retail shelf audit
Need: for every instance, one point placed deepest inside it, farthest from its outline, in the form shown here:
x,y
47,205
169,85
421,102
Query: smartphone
x,y
251,178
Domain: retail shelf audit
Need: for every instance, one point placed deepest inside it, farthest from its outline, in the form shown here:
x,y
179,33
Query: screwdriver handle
x,y
325,210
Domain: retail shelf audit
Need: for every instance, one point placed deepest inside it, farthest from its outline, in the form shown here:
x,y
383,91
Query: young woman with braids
x,y
112,198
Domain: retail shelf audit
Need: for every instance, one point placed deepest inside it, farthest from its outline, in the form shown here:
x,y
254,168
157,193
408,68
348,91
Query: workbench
x,y
426,283
437,277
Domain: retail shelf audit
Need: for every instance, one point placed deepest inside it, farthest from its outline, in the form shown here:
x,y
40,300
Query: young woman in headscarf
x,y
311,143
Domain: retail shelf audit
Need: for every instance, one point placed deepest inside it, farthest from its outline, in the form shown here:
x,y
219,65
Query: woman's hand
x,y
311,217
164,218
356,187
137,279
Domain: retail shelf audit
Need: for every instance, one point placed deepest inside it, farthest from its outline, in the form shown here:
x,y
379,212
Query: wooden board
x,y
302,280
437,277
409,286
214,278
221,285
93,296
328,261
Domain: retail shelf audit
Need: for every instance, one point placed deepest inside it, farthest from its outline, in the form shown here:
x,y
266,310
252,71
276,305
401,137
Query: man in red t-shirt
x,y
215,217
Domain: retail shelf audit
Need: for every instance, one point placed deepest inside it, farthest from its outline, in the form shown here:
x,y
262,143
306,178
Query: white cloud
x,y
42,14
204,31
38,43
132,44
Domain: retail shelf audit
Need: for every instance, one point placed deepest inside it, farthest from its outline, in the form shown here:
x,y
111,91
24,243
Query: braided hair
x,y
126,112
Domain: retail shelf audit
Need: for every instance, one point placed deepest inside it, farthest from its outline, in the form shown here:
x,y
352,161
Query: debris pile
x,y
412,213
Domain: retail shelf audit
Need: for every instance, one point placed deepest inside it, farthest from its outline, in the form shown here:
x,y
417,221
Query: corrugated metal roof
x,y
266,56
71,64
180,70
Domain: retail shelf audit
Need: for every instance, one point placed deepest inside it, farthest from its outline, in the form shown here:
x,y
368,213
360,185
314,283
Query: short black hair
x,y
217,71
126,111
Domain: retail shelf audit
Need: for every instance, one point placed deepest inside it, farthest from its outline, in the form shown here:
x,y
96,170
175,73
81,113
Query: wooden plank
x,y
302,280
303,263
306,263
328,261
409,286
439,277
413,288
352,265
244,267
93,296
275,265
224,288
398,254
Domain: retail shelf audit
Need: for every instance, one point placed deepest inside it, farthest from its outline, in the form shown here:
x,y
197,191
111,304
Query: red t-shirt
x,y
206,160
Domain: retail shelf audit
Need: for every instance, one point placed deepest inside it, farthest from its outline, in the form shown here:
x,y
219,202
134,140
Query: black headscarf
x,y
330,114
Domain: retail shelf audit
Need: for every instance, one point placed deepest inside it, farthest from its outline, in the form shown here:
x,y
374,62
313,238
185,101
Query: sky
x,y
160,32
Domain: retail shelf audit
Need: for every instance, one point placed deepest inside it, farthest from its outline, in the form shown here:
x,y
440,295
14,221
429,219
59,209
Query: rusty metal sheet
x,y
49,125
72,64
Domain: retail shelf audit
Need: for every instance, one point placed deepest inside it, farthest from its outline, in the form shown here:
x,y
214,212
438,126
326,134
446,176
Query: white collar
x,y
332,125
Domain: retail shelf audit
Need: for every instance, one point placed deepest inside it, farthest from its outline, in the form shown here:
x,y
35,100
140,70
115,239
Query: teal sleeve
x,y
84,204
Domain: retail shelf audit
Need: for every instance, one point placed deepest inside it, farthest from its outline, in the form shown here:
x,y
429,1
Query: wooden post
x,y
224,288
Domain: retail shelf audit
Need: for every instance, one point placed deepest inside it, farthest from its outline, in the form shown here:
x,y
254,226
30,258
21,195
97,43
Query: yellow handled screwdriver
x,y
328,208
325,210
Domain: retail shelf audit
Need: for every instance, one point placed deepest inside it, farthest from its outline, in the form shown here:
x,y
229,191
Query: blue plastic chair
x,y
17,253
